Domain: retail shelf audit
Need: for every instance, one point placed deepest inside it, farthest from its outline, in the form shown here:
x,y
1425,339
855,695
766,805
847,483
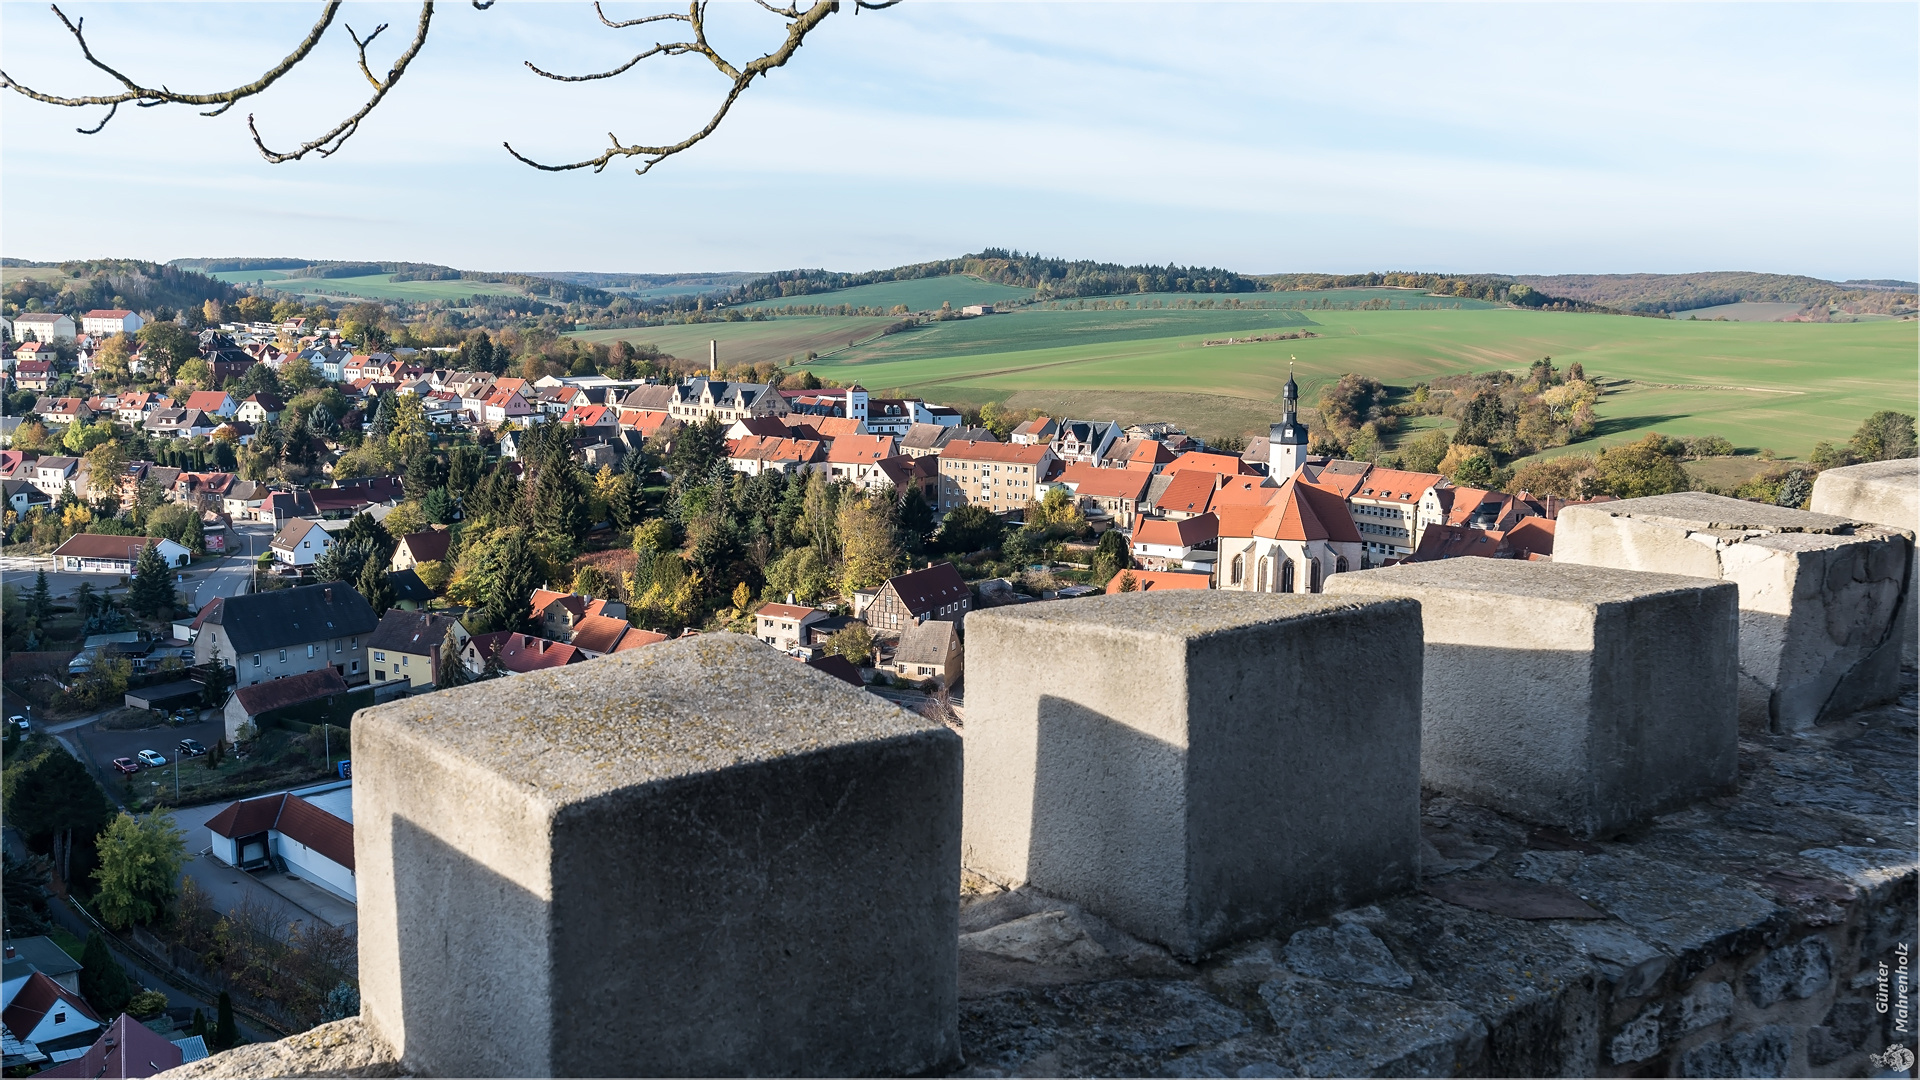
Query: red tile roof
x,y
1394,485
1224,464
1243,491
599,633
1531,537
786,611
1188,492
279,693
206,400
107,313
1090,482
35,999
292,817
98,546
1149,454
1184,533
1162,580
1305,512
859,449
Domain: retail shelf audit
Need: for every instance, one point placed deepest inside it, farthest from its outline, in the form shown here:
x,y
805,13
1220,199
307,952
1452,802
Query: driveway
x,y
228,886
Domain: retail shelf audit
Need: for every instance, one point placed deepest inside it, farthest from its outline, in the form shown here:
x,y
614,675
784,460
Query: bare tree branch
x,y
150,96
635,22
362,45
800,25
326,145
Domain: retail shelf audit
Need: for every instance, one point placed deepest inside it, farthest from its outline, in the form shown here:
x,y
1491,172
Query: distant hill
x,y
84,284
1667,293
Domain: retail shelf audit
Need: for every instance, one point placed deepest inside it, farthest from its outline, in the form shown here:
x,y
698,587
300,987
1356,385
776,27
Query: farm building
x,y
311,839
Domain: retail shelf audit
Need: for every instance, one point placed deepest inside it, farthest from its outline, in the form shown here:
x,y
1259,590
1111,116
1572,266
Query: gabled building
x,y
784,626
704,399
405,647
930,652
260,409
1173,544
63,412
1301,539
604,635
125,1049
103,323
1158,581
315,844
856,458
268,635
33,374
516,654
755,454
212,402
55,472
1392,508
413,549
1111,494
177,424
57,1021
937,592
1038,431
44,326
1084,441
300,542
95,553
557,613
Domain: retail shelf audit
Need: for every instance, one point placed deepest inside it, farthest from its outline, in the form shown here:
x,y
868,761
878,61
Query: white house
x,y
300,542
95,553
51,1017
312,831
105,322
44,327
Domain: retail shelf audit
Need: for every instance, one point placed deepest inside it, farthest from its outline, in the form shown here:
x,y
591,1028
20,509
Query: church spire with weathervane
x,y
1287,440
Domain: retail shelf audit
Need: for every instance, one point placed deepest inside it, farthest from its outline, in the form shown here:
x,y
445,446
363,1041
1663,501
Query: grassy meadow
x,y
1779,386
374,286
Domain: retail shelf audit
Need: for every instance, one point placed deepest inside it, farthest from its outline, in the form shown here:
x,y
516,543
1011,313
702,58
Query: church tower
x,y
1287,440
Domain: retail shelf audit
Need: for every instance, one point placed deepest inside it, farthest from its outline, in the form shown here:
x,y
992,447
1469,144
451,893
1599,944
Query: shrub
x,y
147,1004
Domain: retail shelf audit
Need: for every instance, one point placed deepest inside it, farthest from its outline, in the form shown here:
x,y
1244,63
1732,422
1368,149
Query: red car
x,y
126,765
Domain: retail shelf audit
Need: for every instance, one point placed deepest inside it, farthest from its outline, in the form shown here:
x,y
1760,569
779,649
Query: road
x,y
203,581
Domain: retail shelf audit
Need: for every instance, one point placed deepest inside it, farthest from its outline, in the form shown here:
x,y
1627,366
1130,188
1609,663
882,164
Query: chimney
x,y
713,358
327,593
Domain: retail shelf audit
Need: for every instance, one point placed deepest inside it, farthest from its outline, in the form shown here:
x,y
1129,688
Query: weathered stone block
x,y
1196,766
699,858
1579,696
1819,595
1885,493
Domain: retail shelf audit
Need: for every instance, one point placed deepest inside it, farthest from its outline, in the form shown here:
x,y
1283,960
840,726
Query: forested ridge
x,y
1668,293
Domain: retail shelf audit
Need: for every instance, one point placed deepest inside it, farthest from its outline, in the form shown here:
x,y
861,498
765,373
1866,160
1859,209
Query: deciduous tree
x,y
139,860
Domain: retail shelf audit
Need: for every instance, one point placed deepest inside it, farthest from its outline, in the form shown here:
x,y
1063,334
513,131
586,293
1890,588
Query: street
x,y
212,576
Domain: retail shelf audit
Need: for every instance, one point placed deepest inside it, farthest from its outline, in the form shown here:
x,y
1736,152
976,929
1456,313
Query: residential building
x,y
1113,495
55,472
1084,441
95,553
1290,546
507,405
557,613
212,402
260,409
712,399
845,403
22,496
999,476
405,647
937,592
1158,580
930,652
314,843
63,412
40,953
421,547
44,327
1185,494
856,459
516,654
604,635
177,424
784,626
34,374
1172,544
123,1049
755,454
56,1021
133,408
300,542
927,440
1392,508
1038,431
105,322
267,635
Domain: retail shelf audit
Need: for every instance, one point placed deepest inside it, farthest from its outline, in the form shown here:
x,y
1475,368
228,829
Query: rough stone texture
x,y
1345,953
696,858
1579,696
1774,866
1819,594
343,1048
1886,493
1182,764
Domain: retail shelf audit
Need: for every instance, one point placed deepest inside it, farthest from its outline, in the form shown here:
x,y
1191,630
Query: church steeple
x,y
1287,440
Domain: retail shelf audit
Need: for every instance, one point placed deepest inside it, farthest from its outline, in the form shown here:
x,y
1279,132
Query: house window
x,y
336,644
355,642
256,659
379,675
283,656
60,1017
355,667
310,649
404,660
1239,570
379,656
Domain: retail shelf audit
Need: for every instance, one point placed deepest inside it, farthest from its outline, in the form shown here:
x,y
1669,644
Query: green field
x,y
751,342
378,287
922,294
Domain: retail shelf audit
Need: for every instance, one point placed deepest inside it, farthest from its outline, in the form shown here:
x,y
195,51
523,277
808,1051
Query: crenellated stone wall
x,y
705,858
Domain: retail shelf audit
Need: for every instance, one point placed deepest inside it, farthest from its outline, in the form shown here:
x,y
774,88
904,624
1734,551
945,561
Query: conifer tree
x,y
152,587
103,982
375,588
226,1034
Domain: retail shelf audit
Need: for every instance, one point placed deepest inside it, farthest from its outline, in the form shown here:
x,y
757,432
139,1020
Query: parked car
x,y
184,716
151,758
126,765
20,722
191,748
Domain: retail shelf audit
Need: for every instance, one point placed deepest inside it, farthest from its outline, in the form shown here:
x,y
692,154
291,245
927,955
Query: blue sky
x,y
1512,138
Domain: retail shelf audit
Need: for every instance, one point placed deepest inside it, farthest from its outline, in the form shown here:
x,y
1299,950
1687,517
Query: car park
x,y
126,765
151,758
191,748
